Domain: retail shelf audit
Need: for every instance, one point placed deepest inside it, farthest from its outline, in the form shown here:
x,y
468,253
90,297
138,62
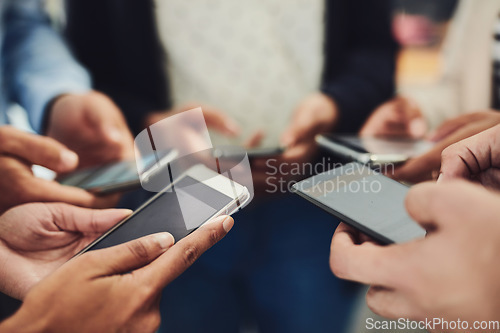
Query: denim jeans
x,y
270,272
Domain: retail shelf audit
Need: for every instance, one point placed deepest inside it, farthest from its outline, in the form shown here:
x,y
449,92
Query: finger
x,y
220,122
129,256
37,149
177,259
470,156
85,220
368,263
254,140
390,303
437,206
41,190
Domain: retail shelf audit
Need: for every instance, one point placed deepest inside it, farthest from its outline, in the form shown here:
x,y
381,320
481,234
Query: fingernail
x,y
440,178
233,127
165,240
69,159
227,224
114,135
418,127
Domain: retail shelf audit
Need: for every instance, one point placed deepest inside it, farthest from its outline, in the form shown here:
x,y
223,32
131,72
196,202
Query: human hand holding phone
x,y
450,274
18,152
118,288
426,166
37,238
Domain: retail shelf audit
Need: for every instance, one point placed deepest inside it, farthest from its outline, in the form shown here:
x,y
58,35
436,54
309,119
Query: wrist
x,y
23,322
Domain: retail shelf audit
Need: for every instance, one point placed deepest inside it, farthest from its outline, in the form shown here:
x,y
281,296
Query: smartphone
x,y
373,150
364,199
194,198
252,153
119,176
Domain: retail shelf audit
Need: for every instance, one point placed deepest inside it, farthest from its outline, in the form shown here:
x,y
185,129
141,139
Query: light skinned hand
x,y
451,274
214,118
426,166
92,126
18,152
476,158
37,238
316,114
399,117
116,289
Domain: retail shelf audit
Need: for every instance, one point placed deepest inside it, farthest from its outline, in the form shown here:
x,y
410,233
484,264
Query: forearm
x,y
37,64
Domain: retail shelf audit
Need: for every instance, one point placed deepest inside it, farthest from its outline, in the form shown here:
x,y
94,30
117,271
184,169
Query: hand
x,y
214,118
37,238
475,158
113,290
426,166
318,113
450,274
18,152
186,129
92,126
399,117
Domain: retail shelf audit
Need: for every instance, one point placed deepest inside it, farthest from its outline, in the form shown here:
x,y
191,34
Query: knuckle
x,y
214,236
139,249
191,254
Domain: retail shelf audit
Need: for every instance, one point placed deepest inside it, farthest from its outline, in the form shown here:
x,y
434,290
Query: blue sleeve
x,y
37,65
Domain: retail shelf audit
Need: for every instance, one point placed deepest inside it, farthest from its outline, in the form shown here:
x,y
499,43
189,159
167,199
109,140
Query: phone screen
x,y
364,199
124,172
178,212
403,146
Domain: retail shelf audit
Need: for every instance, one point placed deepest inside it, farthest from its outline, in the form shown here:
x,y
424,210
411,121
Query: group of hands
x,y
452,272
39,234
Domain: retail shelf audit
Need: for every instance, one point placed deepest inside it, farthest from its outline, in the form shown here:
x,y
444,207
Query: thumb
x,y
129,256
294,133
221,122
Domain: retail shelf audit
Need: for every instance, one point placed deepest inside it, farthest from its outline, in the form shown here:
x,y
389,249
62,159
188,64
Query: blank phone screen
x,y
178,212
366,200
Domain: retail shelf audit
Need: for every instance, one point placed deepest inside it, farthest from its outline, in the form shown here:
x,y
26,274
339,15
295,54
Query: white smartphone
x,y
373,150
365,199
118,177
193,199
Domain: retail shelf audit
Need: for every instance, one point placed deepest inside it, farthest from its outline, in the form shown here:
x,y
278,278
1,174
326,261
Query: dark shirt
x,y
118,42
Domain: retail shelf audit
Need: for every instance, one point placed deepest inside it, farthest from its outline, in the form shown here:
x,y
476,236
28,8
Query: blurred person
x,y
281,72
39,73
468,84
114,289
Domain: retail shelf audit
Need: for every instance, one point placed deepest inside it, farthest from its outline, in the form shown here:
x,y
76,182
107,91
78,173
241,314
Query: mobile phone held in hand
x,y
193,199
364,199
116,177
373,150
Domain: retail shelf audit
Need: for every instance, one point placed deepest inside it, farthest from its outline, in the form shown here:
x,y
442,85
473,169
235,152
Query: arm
x,y
360,59
37,64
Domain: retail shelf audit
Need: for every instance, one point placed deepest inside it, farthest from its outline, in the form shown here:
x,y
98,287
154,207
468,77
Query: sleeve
x,y
36,62
360,58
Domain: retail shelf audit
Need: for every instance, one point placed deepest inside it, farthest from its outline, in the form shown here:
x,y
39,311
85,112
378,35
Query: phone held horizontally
x,y
365,199
193,199
374,151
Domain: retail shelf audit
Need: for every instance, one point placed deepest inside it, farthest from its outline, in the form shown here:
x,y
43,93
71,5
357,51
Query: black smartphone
x,y
373,150
365,199
116,177
194,198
